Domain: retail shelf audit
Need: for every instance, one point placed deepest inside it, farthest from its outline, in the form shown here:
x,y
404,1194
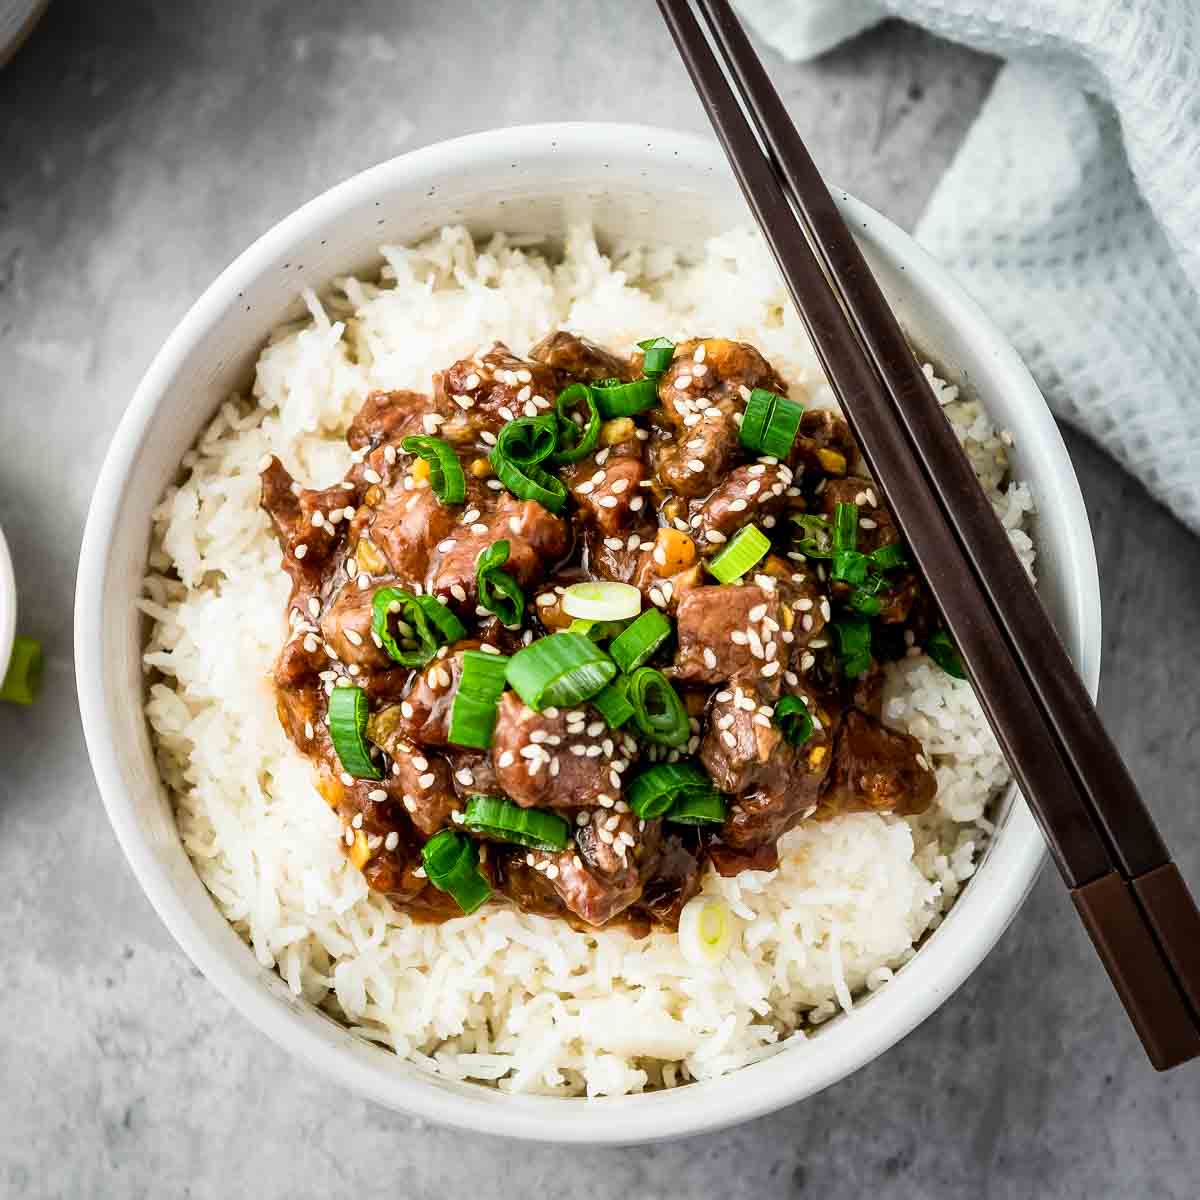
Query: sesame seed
x,y
803,604
807,622
714,535
658,598
738,637
770,669
506,412
301,550
867,523
488,437
347,779
406,710
607,502
758,612
620,485
695,465
372,476
614,543
446,546
710,659
471,382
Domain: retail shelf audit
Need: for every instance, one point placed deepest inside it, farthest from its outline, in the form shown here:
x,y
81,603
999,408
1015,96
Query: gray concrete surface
x,y
142,145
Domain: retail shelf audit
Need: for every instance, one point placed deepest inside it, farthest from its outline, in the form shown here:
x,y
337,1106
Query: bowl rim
x,y
8,606
701,1107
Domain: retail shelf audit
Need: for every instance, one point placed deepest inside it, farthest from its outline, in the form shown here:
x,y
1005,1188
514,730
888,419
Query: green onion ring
x,y
348,712
658,711
504,821
445,471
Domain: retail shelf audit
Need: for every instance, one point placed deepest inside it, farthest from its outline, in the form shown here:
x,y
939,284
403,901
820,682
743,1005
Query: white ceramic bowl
x,y
8,606
632,182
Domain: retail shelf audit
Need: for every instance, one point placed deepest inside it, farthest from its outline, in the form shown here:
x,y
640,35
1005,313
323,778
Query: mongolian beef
x,y
575,625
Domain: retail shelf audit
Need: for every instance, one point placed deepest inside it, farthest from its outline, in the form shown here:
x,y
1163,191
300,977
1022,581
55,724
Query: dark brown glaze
x,y
660,495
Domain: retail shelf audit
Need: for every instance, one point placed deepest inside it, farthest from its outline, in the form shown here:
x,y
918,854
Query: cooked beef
x,y
659,496
577,358
728,630
876,769
564,758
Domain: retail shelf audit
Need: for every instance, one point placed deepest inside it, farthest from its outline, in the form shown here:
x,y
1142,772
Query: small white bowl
x,y
633,182
8,606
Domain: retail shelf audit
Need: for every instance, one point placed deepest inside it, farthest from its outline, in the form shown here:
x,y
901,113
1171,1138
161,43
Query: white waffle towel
x,y
1072,210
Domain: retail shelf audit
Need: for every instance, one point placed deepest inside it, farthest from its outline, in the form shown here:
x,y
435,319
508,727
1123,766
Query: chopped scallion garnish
x,y
602,600
640,640
497,590
845,527
504,821
24,674
854,644
617,399
428,625
889,557
560,670
612,703
522,445
348,712
657,355
769,423
451,862
941,648
574,441
698,808
658,711
794,720
473,712
655,790
445,471
738,556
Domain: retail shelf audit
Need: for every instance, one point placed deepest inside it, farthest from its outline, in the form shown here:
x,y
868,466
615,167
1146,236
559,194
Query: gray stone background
x,y
143,144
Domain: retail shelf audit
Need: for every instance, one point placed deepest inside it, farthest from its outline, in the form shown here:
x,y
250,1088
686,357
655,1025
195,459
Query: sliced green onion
x,y
431,624
639,642
854,644
818,542
562,669
755,418
602,600
444,625
941,648
451,862
598,631
24,675
654,791
617,399
850,566
483,675
612,703
698,808
657,356
530,483
445,471
794,719
658,711
864,602
348,712
769,423
501,819
845,526
781,429
497,590
737,557
473,711
889,557
528,440
472,721
574,442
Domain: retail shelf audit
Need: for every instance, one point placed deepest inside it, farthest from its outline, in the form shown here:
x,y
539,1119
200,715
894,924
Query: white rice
x,y
503,996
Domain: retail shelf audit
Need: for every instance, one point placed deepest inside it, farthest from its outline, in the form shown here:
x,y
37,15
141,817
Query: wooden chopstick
x,y
868,383
1118,810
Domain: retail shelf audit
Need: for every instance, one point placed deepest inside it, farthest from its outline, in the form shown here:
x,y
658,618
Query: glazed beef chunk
x,y
558,758
702,393
876,769
653,502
